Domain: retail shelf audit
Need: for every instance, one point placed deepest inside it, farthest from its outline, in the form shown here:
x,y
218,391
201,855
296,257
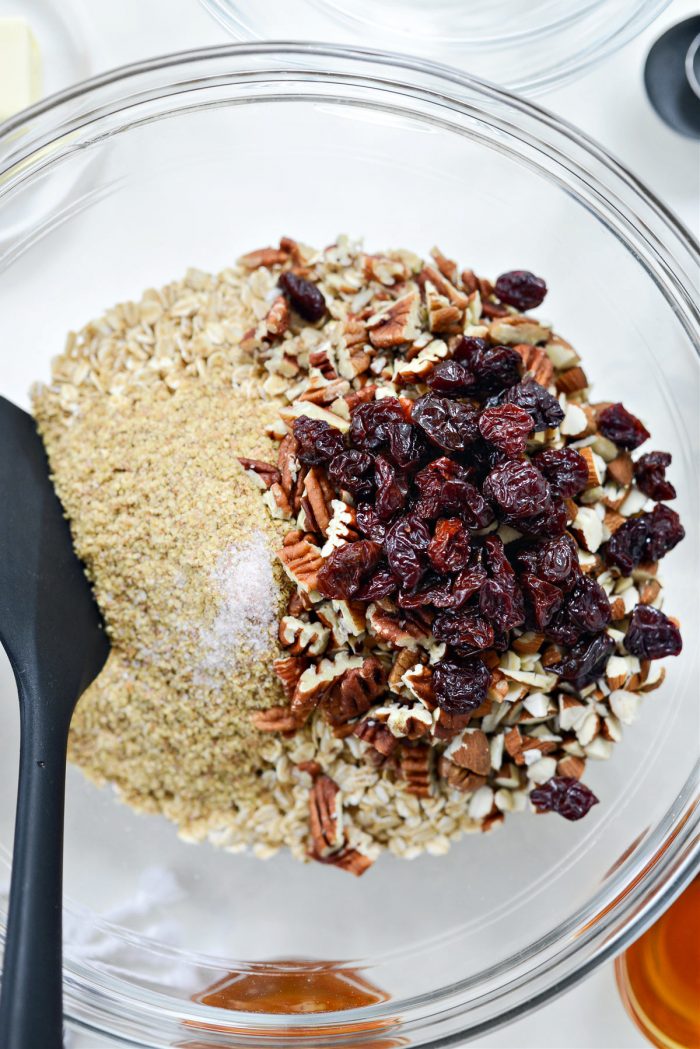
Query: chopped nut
x,y
571,381
621,469
268,257
317,680
595,473
588,529
416,767
319,494
326,816
613,520
571,766
289,670
302,637
528,643
290,412
274,719
404,660
536,362
444,286
649,591
265,472
470,750
388,627
301,561
396,324
405,722
460,779
512,330
418,680
356,691
351,860
376,735
277,319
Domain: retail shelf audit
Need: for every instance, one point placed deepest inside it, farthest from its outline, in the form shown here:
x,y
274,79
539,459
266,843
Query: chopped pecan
x,y
528,643
301,561
458,778
416,768
274,719
470,750
316,501
264,257
267,473
405,722
573,380
351,860
396,630
342,527
303,638
405,659
275,498
649,591
447,267
384,269
446,726
513,330
326,817
377,736
298,602
287,462
429,274
317,680
319,358
325,393
356,691
470,281
289,669
277,319
311,768
395,324
536,361
418,680
443,317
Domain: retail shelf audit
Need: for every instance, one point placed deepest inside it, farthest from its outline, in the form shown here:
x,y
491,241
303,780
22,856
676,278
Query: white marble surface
x,y
609,103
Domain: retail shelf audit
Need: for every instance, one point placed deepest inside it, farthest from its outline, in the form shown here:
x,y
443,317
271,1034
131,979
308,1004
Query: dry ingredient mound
x,y
181,554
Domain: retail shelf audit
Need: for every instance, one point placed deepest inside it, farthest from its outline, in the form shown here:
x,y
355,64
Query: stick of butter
x,y
20,67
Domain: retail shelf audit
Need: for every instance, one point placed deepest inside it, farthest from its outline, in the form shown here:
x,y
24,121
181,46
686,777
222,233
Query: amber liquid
x,y
659,975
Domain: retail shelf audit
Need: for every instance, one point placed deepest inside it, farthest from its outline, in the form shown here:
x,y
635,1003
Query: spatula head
x,y
50,625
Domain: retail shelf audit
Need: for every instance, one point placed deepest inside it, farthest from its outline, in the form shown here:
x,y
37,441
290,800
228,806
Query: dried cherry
x,y
588,606
369,522
451,378
507,427
496,368
651,634
465,629
451,425
381,584
621,427
406,546
543,599
650,475
450,545
406,445
564,468
346,569
565,795
353,471
370,422
585,661
318,442
521,289
460,687
517,488
392,488
545,410
304,296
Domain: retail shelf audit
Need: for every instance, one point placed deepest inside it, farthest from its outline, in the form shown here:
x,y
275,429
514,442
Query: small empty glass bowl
x,y
203,156
529,47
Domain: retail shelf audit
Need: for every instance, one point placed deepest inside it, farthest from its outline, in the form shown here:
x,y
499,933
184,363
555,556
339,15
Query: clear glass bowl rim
x,y
236,18
37,139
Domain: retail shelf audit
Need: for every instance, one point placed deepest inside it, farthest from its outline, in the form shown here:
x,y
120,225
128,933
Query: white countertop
x,y
610,104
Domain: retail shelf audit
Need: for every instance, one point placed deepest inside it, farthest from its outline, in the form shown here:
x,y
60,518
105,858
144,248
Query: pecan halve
x,y
267,473
274,719
396,324
416,768
377,736
289,669
326,816
277,319
355,693
301,561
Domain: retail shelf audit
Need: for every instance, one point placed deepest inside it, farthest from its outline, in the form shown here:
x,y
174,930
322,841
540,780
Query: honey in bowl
x,y
659,976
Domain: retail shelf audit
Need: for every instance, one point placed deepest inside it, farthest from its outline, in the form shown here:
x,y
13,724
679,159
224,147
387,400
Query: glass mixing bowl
x,y
529,47
195,158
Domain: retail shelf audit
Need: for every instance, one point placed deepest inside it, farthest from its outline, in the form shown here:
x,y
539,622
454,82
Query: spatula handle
x,y
31,1006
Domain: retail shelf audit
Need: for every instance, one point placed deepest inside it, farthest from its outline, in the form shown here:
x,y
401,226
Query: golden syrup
x,y
659,975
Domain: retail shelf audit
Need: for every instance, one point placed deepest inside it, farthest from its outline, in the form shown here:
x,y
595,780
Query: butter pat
x,y
20,67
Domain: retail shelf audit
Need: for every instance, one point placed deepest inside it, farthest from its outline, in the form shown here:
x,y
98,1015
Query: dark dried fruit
x,y
370,422
465,584
565,795
347,568
521,289
564,468
586,660
549,523
588,606
543,599
444,489
392,488
369,523
318,442
450,546
450,378
665,532
466,630
621,427
460,687
650,475
647,537
381,584
469,349
545,410
450,425
502,604
406,445
353,471
651,634
406,546
507,427
496,369
557,561
304,296
517,488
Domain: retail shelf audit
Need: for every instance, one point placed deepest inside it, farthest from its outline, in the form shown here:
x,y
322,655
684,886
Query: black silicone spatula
x,y
51,630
